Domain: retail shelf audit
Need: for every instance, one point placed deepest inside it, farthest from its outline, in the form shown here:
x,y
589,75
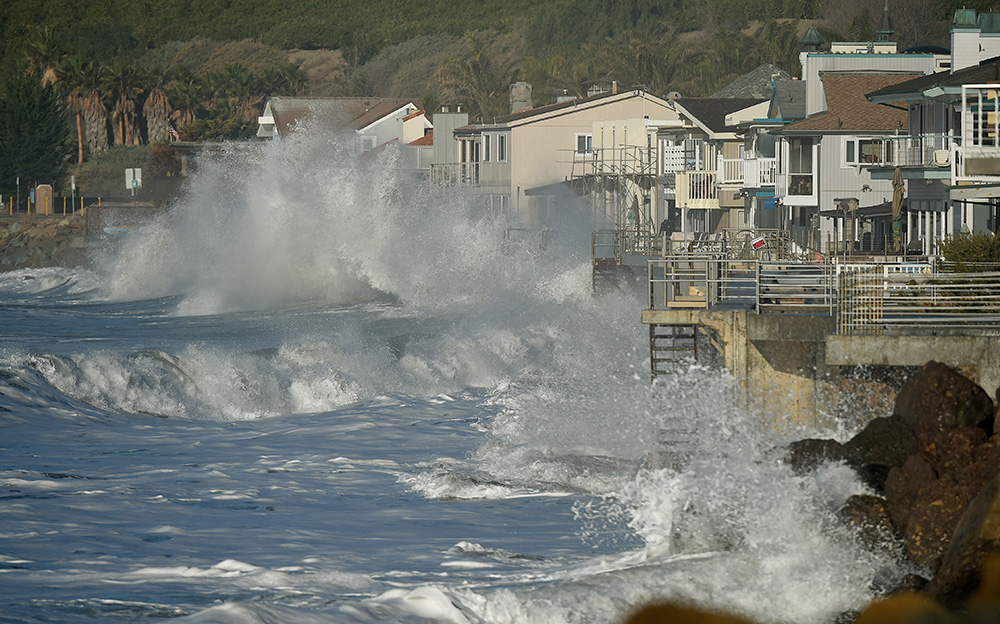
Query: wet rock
x,y
976,540
905,608
676,614
882,445
868,516
935,515
902,488
805,455
32,244
939,398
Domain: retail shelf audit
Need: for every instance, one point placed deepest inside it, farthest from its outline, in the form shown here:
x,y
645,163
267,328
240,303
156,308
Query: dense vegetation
x,y
142,72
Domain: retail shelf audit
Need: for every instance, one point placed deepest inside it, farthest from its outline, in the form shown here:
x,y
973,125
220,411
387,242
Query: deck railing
x,y
865,299
712,281
874,300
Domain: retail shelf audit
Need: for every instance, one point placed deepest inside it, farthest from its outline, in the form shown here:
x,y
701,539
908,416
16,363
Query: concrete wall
x,y
778,361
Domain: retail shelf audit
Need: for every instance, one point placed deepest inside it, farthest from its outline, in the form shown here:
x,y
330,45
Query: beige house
x,y
374,122
526,161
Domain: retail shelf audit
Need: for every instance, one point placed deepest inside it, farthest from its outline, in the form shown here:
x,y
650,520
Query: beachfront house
x,y
787,105
950,158
830,202
825,196
702,166
370,122
529,163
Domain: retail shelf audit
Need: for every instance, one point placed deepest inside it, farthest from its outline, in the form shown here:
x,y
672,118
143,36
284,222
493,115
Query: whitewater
x,y
319,391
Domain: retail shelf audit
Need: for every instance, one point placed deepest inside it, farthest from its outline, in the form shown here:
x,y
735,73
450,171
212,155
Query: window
x,y
584,143
864,151
486,147
800,167
501,148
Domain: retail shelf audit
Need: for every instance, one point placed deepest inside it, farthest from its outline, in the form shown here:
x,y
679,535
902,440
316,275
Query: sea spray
x,y
398,391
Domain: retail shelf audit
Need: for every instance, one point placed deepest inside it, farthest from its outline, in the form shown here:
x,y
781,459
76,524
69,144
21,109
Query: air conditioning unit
x,y
942,158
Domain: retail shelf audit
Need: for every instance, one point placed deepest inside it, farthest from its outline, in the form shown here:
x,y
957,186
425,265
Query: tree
x,y
33,131
481,77
156,109
186,94
122,87
44,54
72,77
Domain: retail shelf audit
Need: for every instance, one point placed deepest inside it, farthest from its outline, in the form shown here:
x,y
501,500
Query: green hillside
x,y
135,73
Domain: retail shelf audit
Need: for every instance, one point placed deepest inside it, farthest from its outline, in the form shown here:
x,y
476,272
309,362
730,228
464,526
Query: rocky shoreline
x,y
933,466
36,242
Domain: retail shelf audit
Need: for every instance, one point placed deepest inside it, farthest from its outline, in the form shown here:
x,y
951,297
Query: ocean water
x,y
318,392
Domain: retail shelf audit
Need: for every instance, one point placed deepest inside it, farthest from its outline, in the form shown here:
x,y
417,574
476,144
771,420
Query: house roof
x,y
541,110
788,100
521,116
756,83
711,113
847,109
917,88
427,139
353,113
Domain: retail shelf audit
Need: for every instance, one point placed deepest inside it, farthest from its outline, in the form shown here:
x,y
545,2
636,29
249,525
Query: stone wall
x,y
33,242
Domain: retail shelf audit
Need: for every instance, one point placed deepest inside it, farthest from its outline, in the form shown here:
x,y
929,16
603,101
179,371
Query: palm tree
x,y
156,109
72,76
186,94
44,54
121,85
83,78
242,91
481,77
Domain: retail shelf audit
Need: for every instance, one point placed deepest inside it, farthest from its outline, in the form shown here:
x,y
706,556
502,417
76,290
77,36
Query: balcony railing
x,y
760,172
977,164
455,174
697,189
919,151
731,171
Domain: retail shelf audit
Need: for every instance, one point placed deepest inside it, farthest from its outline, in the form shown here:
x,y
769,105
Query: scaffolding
x,y
620,183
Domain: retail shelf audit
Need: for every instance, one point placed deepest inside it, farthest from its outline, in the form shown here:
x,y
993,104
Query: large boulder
x,y
806,455
903,486
939,398
880,446
975,540
868,516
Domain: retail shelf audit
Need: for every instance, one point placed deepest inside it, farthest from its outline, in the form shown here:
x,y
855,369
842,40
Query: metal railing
x,y
866,299
625,242
698,280
455,174
877,300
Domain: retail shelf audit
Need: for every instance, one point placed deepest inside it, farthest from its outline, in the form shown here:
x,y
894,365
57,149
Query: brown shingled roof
x,y
354,113
427,139
849,111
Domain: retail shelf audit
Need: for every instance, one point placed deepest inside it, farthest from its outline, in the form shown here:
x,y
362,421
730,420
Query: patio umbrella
x,y
897,208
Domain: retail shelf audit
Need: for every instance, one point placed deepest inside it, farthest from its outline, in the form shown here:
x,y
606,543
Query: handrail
x,y
874,301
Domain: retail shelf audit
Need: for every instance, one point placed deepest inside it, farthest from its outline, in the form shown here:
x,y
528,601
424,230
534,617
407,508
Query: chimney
x,y
520,96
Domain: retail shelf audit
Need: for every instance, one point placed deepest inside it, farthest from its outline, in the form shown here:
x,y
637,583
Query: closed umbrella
x,y
897,208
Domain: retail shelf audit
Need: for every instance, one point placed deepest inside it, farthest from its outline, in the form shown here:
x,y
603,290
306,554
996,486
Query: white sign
x,y
133,178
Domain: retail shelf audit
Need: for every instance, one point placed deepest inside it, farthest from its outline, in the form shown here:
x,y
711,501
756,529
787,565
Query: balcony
x,y
455,174
697,189
924,151
754,173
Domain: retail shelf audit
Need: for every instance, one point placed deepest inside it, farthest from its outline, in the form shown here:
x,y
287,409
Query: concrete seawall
x,y
795,368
